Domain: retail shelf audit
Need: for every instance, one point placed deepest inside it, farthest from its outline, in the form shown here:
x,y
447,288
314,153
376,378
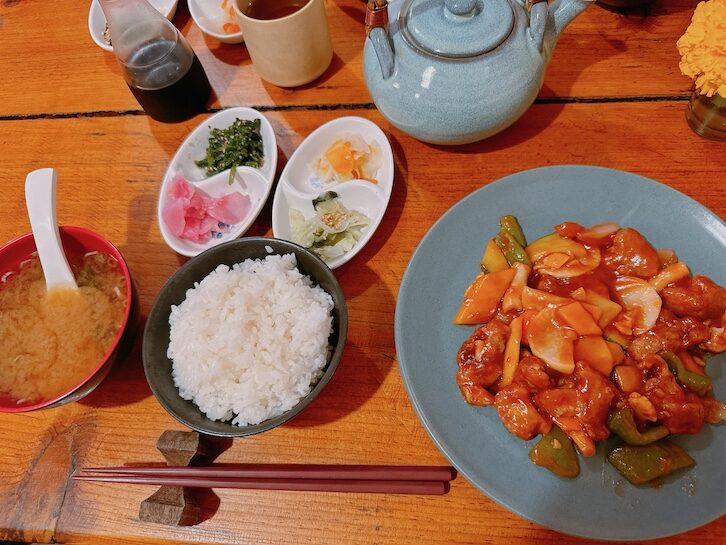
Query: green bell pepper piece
x,y
699,384
621,422
512,249
510,224
641,464
556,453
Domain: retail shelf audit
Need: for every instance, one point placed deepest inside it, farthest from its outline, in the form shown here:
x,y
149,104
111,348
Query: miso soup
x,y
49,342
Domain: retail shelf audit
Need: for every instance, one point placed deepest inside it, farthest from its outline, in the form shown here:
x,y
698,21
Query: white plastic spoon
x,y
40,201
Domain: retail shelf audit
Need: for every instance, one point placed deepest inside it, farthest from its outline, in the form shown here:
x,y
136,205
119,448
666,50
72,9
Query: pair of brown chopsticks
x,y
316,478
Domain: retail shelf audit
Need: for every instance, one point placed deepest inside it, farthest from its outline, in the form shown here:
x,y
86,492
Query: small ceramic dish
x,y
97,20
158,367
253,183
210,16
299,184
76,241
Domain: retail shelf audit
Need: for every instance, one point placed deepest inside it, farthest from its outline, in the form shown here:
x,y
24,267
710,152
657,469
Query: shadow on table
x,y
230,54
357,12
359,376
182,18
336,64
126,383
535,120
385,230
355,381
649,10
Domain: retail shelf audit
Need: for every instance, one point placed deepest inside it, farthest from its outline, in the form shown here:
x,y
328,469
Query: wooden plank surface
x,y
109,174
50,65
613,96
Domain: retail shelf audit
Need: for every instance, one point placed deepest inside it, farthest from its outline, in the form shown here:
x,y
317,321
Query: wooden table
x,y
613,96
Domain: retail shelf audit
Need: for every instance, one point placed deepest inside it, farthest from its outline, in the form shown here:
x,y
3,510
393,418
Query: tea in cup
x,y
288,40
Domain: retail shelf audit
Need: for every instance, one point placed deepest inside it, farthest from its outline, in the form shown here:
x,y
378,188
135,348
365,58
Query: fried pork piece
x,y
518,413
678,409
586,395
698,296
532,373
480,360
669,333
631,254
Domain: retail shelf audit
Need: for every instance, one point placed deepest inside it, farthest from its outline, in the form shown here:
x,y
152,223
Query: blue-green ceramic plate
x,y
598,504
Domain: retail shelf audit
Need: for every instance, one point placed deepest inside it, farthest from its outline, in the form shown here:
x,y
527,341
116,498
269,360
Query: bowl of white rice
x,y
244,336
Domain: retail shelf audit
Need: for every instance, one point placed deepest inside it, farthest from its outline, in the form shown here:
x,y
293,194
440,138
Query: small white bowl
x,y
208,16
298,187
255,183
247,181
97,20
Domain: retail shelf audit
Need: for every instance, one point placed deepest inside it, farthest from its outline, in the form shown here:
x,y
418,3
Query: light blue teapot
x,y
458,71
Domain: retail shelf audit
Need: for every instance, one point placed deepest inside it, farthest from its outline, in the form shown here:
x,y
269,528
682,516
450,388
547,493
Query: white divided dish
x,y
97,20
299,184
254,183
210,17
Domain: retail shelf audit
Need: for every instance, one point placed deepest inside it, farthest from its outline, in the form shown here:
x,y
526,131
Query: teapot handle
x,y
377,33
537,21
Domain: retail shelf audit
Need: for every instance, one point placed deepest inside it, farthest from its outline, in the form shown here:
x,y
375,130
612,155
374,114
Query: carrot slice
x,y
628,378
482,297
616,351
578,319
594,351
593,310
610,309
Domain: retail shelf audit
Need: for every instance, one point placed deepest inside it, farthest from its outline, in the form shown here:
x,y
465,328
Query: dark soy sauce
x,y
169,86
273,9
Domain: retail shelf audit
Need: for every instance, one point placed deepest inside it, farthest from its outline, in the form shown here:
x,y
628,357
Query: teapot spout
x,y
565,11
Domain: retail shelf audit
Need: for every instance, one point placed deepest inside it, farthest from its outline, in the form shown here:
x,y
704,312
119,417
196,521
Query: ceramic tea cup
x,y
288,50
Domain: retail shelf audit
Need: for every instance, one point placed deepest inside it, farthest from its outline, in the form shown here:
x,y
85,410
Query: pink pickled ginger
x,y
193,215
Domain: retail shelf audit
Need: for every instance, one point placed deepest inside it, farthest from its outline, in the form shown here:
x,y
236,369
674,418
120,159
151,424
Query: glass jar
x,y
158,64
707,115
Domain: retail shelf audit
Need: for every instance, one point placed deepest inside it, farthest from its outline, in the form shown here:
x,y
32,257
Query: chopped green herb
x,y
240,144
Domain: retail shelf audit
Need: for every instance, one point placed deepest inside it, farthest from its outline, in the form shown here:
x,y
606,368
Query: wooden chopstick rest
x,y
170,505
183,448
176,505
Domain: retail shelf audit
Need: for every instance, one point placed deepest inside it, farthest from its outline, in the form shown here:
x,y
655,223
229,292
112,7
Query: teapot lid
x,y
456,29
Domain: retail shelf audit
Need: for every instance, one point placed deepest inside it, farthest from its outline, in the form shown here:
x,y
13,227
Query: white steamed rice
x,y
250,341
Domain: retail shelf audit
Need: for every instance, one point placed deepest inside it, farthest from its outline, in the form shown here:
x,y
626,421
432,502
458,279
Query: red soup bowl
x,y
76,241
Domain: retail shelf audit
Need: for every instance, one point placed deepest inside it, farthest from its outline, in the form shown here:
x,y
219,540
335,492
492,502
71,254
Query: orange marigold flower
x,y
703,48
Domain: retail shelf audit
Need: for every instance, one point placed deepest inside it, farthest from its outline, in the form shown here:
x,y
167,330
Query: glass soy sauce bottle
x,y
159,66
